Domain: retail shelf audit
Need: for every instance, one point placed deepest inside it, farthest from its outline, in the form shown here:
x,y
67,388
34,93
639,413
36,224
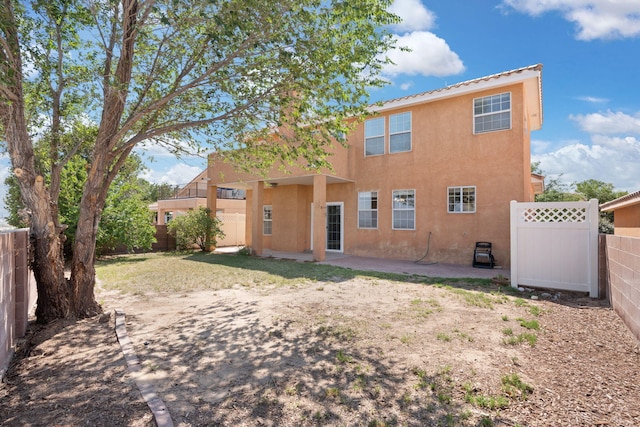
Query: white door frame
x,y
341,204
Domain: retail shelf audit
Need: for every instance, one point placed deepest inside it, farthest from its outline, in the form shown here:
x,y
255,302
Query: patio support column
x,y
160,215
257,202
212,199
212,205
319,217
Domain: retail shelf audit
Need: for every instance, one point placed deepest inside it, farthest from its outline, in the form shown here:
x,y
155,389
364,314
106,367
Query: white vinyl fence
x,y
233,225
555,245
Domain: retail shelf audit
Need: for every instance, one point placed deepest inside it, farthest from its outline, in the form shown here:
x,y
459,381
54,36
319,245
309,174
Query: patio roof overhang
x,y
287,180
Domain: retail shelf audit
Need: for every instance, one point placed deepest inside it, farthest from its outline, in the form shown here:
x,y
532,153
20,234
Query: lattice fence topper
x,y
554,215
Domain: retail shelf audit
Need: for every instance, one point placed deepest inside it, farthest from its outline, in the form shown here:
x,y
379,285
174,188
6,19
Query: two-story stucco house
x,y
429,172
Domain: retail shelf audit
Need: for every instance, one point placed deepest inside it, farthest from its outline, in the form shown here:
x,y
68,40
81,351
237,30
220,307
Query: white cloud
x,y
426,54
414,15
406,85
539,146
608,123
613,156
175,174
595,19
593,99
579,162
429,55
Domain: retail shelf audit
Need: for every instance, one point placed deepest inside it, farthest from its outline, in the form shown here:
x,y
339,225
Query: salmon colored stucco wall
x,y
626,221
445,153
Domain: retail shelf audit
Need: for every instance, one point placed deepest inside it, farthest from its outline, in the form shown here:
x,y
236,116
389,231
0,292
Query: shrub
x,y
197,228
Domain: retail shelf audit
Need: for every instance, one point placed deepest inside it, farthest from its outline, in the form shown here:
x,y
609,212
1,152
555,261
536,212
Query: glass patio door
x,y
334,226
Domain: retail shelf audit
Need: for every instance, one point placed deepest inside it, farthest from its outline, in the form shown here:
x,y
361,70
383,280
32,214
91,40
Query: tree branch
x,y
163,101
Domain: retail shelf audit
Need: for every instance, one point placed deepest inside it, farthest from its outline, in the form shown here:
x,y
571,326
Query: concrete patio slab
x,y
394,265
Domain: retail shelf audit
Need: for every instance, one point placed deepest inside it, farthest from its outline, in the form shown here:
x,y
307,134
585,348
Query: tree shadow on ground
x,y
71,373
225,364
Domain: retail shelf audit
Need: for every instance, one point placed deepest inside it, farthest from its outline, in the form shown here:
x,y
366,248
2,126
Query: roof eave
x,y
531,77
621,202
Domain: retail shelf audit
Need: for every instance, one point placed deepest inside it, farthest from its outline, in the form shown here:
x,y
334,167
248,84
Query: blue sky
x,y
590,50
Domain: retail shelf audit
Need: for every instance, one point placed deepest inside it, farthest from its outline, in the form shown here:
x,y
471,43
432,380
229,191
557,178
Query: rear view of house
x,y
428,174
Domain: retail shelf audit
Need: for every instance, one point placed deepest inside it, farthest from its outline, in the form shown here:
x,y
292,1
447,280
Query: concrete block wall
x,y
7,298
25,284
622,260
165,241
17,292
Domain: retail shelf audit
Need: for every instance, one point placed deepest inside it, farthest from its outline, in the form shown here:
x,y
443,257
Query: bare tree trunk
x,y
83,272
45,235
105,164
46,238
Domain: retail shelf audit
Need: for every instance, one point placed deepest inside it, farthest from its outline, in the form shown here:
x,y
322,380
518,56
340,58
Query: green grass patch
x,y
519,302
193,271
342,333
343,358
530,338
477,298
333,393
406,339
443,337
529,324
514,387
423,308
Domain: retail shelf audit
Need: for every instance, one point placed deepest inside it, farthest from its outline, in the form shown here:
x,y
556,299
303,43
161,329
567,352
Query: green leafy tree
x,y
594,189
161,191
196,228
13,203
227,73
126,220
604,192
555,190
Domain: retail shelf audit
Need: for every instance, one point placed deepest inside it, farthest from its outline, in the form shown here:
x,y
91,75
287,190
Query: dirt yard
x,y
357,352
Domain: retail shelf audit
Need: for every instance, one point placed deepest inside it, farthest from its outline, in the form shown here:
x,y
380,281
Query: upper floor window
x,y
404,209
462,199
368,209
374,136
400,132
492,113
267,221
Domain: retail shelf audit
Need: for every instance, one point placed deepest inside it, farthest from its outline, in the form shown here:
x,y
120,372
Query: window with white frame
x,y
266,220
492,113
462,199
368,209
400,132
404,209
374,136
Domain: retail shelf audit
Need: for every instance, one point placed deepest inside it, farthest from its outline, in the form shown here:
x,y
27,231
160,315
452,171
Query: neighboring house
x,y
626,214
429,174
231,208
193,196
